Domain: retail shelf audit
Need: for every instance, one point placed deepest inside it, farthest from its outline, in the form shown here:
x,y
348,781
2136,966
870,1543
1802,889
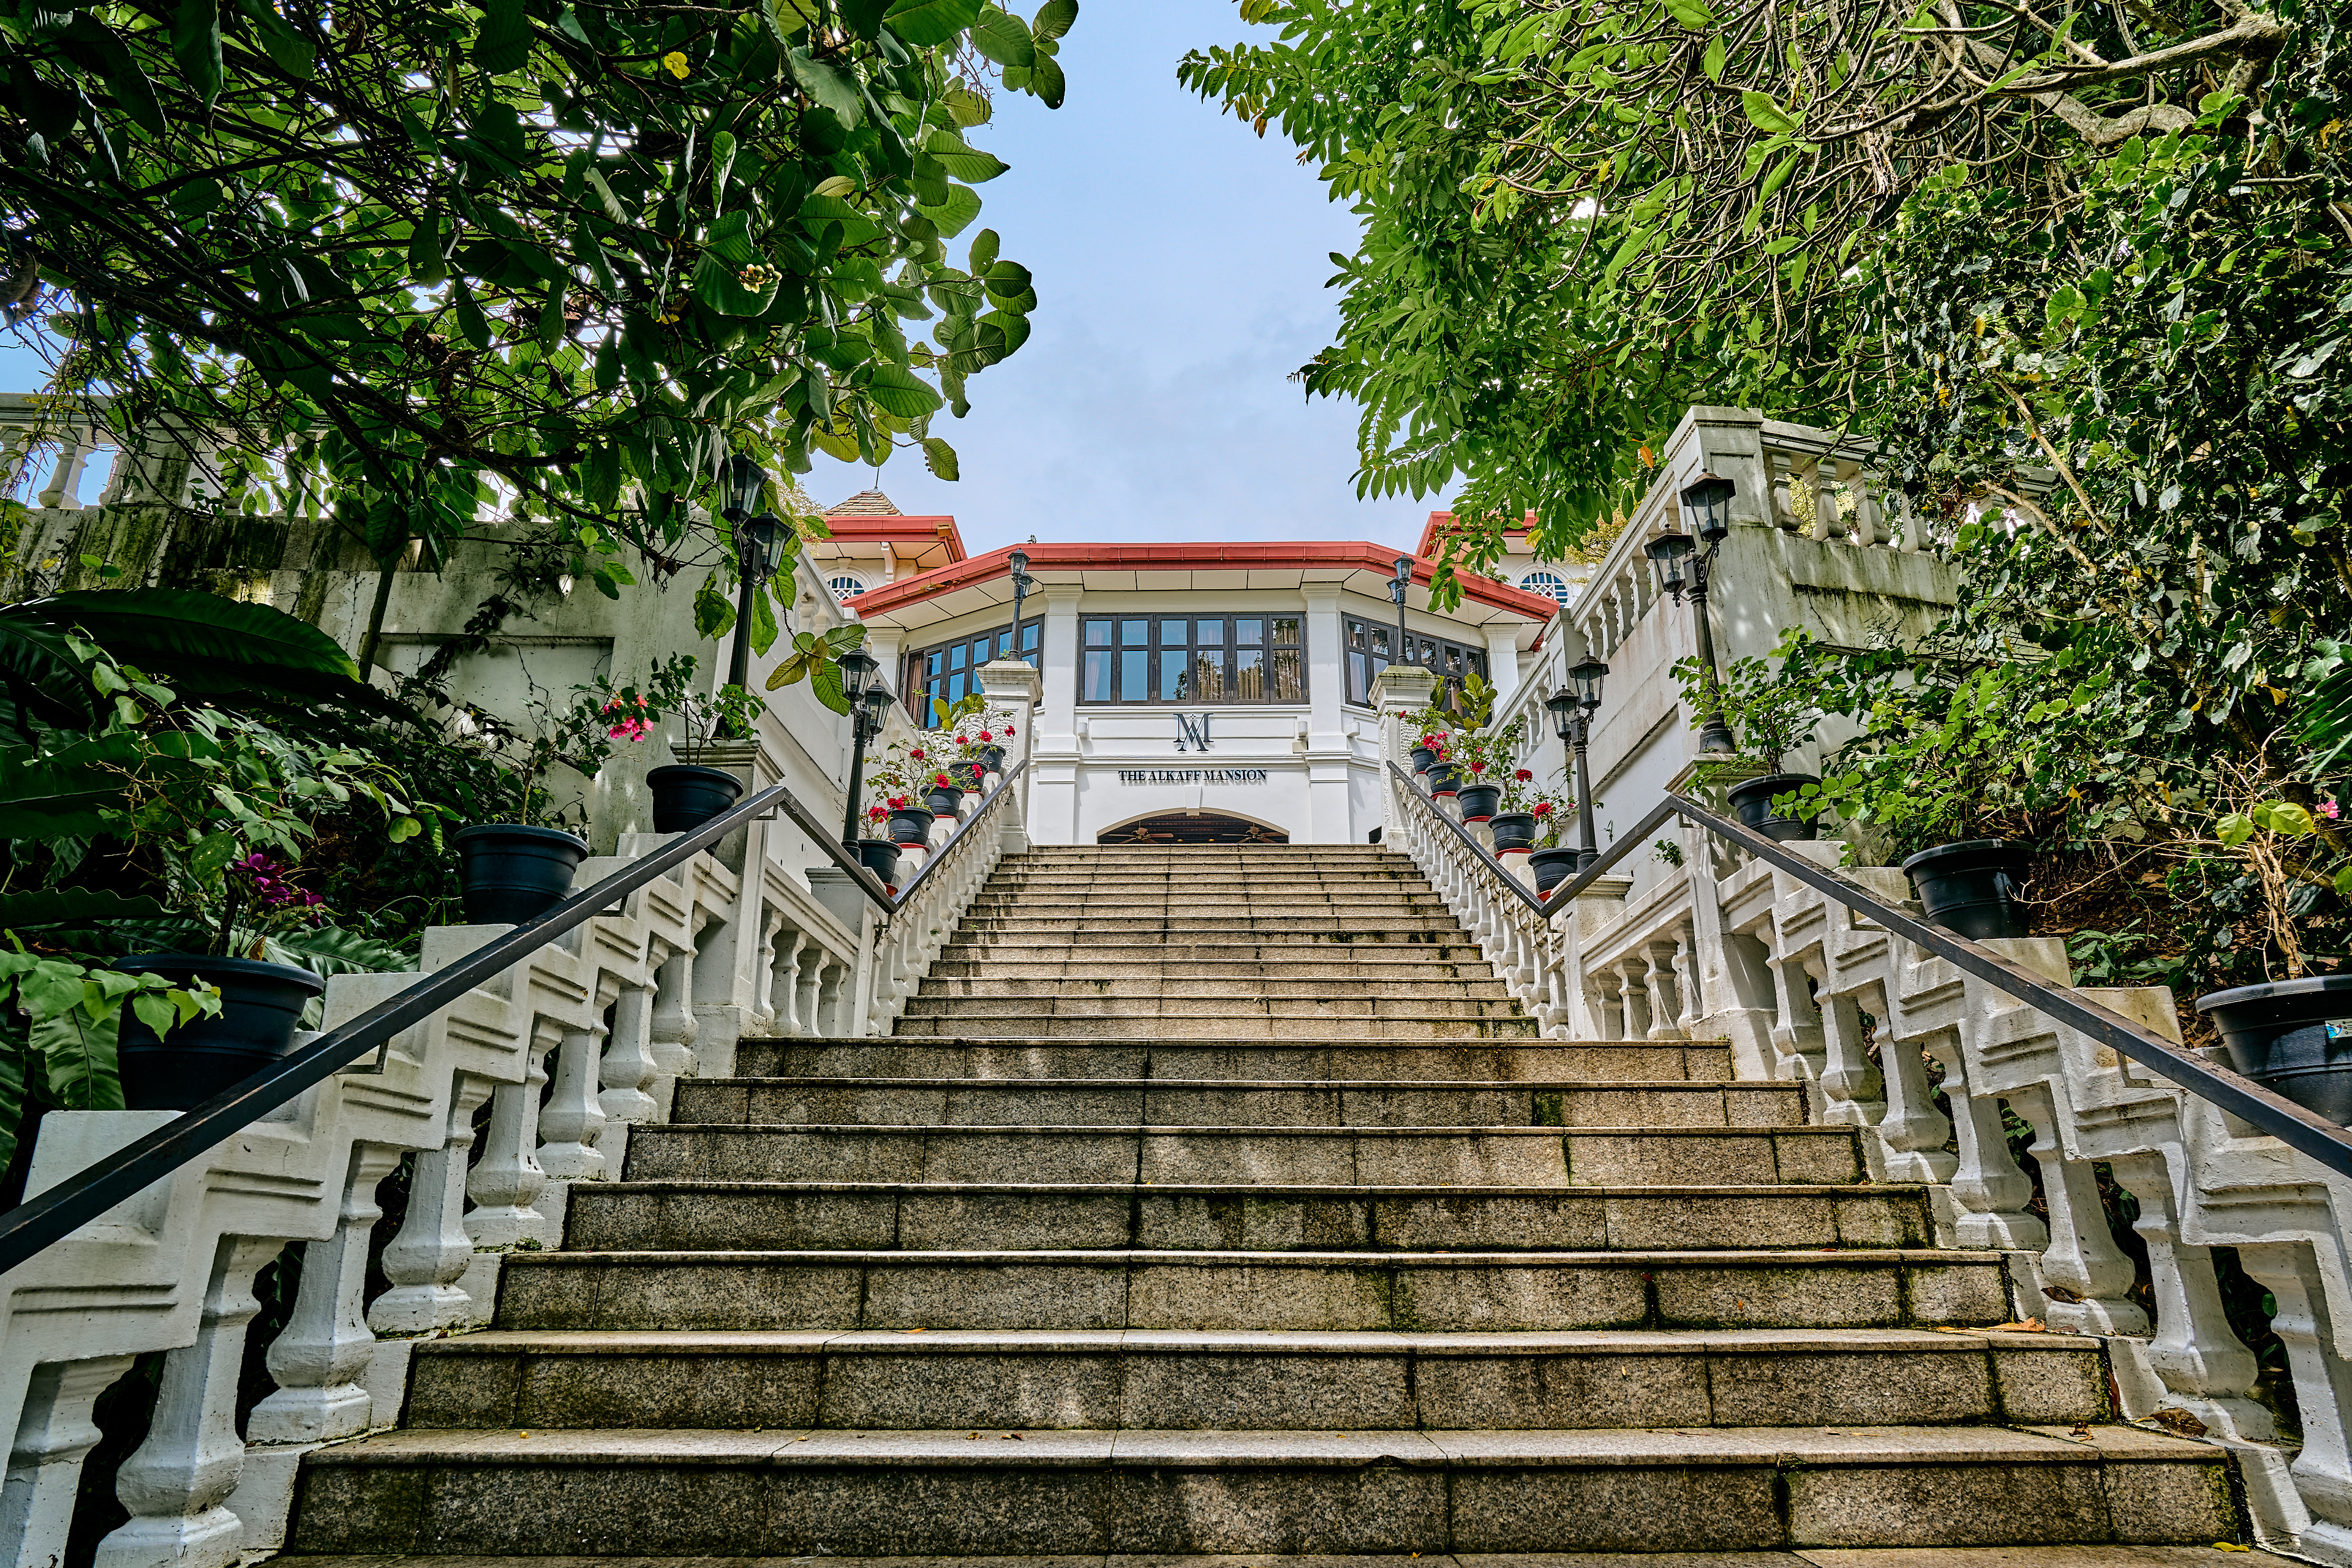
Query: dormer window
x,y
845,585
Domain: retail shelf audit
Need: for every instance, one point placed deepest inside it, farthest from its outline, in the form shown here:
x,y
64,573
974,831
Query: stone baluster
x,y
54,1435
833,985
784,985
508,1178
1634,1000
1866,529
1687,987
572,1121
1908,525
1988,1191
65,479
1912,1132
675,1025
1827,523
320,1356
2322,1368
2082,1258
1784,507
173,1485
1857,1094
432,1252
629,1070
1797,1024
1656,986
2205,1368
812,960
763,1004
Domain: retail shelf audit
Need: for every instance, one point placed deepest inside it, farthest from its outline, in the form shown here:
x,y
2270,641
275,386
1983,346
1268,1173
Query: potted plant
x,y
1970,888
2294,1036
690,792
1514,824
511,871
1551,863
1488,757
942,794
1773,716
895,811
218,808
879,856
1425,751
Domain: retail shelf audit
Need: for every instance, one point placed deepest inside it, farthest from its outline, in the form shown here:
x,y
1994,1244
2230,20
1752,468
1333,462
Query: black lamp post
x,y
1683,570
758,551
1571,713
1397,586
1022,584
857,669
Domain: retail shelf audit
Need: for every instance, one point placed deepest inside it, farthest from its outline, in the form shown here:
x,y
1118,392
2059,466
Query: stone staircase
x,y
1220,1201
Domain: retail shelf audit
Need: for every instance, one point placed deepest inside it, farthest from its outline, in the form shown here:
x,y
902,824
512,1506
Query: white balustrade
x,y
1806,988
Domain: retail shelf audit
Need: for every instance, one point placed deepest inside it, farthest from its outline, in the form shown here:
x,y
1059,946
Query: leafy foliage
x,y
409,259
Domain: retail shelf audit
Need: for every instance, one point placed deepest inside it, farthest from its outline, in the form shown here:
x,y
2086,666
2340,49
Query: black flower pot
x,y
260,1005
2294,1036
1969,887
991,759
971,775
1753,801
912,826
1445,778
1478,801
510,873
684,797
1512,830
1421,757
880,856
1552,867
943,800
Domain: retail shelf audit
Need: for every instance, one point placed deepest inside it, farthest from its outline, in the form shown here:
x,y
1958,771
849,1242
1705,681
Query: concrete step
x,y
1038,1025
1013,1217
1302,1060
1228,951
1252,1156
1244,986
1323,1292
1416,967
1249,921
1176,879
1118,1379
1122,1102
974,1490
1220,1003
1188,893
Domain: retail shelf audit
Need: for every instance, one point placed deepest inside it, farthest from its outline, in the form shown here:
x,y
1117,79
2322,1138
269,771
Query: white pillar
x,y
54,1435
1329,818
1503,660
1053,802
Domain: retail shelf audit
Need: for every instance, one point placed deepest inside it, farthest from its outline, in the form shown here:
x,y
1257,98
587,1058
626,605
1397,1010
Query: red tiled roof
x,y
1356,554
1443,523
865,504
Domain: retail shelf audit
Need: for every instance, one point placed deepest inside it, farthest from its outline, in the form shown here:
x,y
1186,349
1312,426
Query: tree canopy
x,y
415,259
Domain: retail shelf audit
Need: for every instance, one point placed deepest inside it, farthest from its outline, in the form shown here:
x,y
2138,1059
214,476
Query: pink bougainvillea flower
x,y
2328,808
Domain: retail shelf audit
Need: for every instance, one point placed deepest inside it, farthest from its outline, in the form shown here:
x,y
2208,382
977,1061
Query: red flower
x,y
943,781
963,739
917,753
1523,775
1543,808
1477,768
898,802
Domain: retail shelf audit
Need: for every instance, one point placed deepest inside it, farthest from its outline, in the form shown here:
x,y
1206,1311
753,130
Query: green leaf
x,y
1691,13
77,1052
287,49
714,612
196,45
824,680
1054,18
763,624
1003,39
120,73
1047,81
470,320
983,252
504,41
219,648
896,390
2234,829
721,286
829,89
939,458
1767,115
1712,61
965,162
925,23
729,238
954,215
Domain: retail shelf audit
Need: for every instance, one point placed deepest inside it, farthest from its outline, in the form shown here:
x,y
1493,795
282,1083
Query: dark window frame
x,y
1365,645
1116,651
920,681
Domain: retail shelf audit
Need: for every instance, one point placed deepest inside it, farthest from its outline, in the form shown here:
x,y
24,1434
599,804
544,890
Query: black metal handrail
x,y
867,883
2304,1130
131,1170
1533,900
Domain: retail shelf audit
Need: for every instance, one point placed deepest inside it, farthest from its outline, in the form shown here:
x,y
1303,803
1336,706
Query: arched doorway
x,y
1180,828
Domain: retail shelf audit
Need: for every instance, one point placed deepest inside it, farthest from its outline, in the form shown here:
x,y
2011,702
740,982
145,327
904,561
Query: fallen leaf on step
x,y
2082,1429
2022,1326
2230,1546
2179,1423
910,1331
2060,1293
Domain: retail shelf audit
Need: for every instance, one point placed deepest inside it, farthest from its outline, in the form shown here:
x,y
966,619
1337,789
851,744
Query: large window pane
x,y
1289,686
1249,674
1098,633
955,657
1249,634
1357,691
955,689
1134,633
1209,675
1172,675
1209,634
1134,676
1286,632
1172,633
1098,672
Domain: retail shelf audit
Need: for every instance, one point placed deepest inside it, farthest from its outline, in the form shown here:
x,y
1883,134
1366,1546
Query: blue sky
x,y
1180,264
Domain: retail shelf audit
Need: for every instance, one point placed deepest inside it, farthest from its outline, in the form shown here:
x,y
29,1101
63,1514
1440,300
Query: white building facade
x,y
1202,693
